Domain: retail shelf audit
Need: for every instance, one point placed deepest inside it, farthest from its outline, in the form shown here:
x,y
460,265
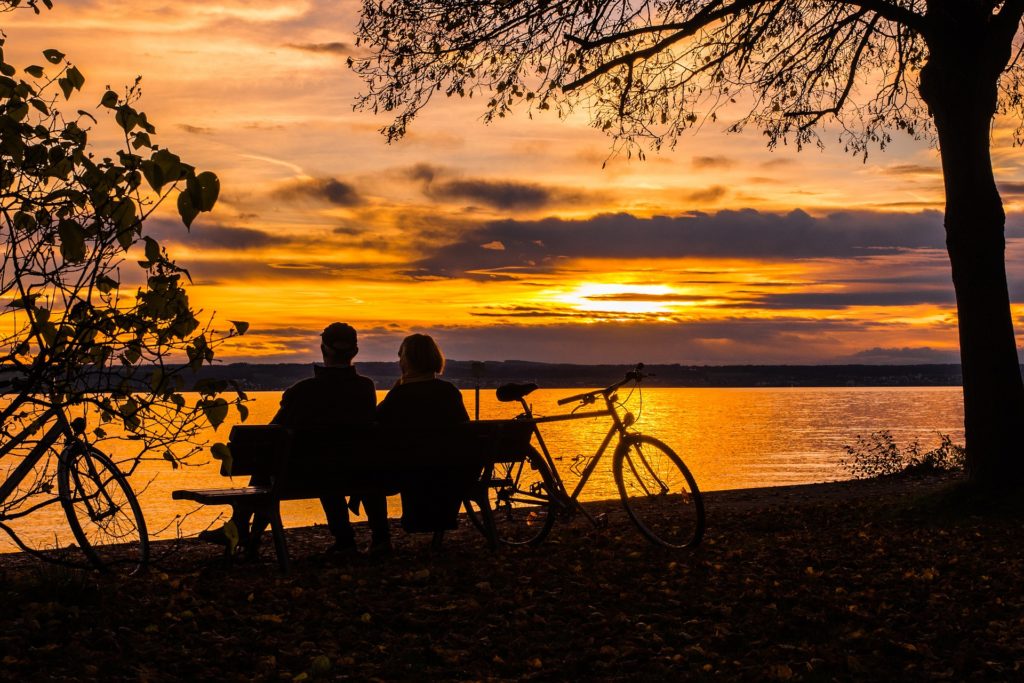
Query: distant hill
x,y
275,377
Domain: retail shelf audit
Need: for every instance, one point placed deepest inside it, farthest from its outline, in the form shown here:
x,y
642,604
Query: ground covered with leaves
x,y
889,579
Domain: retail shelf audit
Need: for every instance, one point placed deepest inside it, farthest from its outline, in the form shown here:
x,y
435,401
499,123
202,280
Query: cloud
x,y
837,300
637,296
739,341
506,195
543,245
1011,188
333,48
329,190
499,194
707,195
213,271
911,169
713,162
195,130
212,236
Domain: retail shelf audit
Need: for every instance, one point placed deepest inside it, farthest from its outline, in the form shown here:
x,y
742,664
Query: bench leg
x,y
277,529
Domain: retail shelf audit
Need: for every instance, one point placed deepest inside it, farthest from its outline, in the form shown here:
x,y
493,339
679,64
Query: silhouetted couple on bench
x,y
336,397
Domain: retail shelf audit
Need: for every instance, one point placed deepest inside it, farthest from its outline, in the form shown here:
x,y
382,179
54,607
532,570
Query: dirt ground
x,y
893,579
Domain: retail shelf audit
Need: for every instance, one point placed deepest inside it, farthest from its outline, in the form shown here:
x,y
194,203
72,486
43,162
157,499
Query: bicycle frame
x,y
618,428
49,438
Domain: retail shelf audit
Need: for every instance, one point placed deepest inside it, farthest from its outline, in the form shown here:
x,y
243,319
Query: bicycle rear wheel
x,y
102,510
521,498
658,492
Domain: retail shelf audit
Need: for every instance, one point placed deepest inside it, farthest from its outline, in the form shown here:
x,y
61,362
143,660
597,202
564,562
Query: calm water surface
x,y
729,438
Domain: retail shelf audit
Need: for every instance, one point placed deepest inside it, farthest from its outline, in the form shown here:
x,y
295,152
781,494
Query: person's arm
x,y
283,415
385,409
459,412
368,402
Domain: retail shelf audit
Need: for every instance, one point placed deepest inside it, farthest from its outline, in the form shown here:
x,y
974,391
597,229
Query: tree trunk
x,y
959,85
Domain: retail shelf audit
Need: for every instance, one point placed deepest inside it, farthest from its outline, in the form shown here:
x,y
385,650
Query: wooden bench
x,y
367,459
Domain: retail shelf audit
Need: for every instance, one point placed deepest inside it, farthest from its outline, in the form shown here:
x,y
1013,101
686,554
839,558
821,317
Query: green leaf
x,y
152,249
156,380
124,214
35,71
125,237
109,99
76,77
53,56
186,209
17,110
40,106
106,284
65,87
209,190
243,411
168,456
154,175
72,241
216,411
126,117
221,452
241,327
26,302
145,124
7,70
169,163
141,140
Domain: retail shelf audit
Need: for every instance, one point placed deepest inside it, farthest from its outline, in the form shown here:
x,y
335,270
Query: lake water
x,y
729,438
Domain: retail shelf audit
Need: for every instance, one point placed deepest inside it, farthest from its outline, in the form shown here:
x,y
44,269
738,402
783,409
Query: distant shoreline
x,y
279,376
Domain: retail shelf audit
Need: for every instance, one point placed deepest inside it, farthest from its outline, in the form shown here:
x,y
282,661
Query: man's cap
x,y
339,336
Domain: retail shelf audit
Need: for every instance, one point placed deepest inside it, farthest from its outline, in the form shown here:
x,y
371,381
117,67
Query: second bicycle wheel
x,y
521,501
102,510
658,492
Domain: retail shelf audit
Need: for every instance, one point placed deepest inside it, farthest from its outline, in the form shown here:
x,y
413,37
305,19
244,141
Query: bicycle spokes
x,y
658,492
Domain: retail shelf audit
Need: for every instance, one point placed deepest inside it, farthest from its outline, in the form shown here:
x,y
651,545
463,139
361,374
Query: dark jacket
x,y
332,396
427,403
429,503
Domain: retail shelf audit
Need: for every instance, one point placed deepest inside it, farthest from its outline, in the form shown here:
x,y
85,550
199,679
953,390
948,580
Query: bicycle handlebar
x,y
634,375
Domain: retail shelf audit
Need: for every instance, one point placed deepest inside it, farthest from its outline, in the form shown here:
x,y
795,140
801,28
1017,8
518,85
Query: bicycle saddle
x,y
514,392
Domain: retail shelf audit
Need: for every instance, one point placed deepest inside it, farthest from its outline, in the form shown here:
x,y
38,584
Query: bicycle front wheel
x,y
658,492
102,510
521,497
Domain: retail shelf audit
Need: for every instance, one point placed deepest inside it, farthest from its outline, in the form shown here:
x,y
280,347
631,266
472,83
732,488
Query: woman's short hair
x,y
422,354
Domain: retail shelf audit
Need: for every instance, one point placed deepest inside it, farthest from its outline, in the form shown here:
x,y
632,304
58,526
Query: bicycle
x,y
657,490
102,510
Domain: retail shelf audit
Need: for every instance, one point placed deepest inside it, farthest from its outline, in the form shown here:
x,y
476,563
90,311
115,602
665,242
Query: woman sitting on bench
x,y
419,398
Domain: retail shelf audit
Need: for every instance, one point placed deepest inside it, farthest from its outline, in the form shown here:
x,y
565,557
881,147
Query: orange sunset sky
x,y
510,241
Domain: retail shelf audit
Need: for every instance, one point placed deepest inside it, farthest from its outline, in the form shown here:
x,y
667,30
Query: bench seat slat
x,y
221,496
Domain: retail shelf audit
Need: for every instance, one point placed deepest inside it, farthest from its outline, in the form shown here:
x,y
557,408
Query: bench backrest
x,y
273,451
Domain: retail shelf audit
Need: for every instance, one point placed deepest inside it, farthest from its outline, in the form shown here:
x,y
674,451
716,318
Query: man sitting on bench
x,y
335,396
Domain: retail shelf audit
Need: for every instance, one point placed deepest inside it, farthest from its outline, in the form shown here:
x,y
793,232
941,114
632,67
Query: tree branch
x,y
850,78
687,28
890,11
